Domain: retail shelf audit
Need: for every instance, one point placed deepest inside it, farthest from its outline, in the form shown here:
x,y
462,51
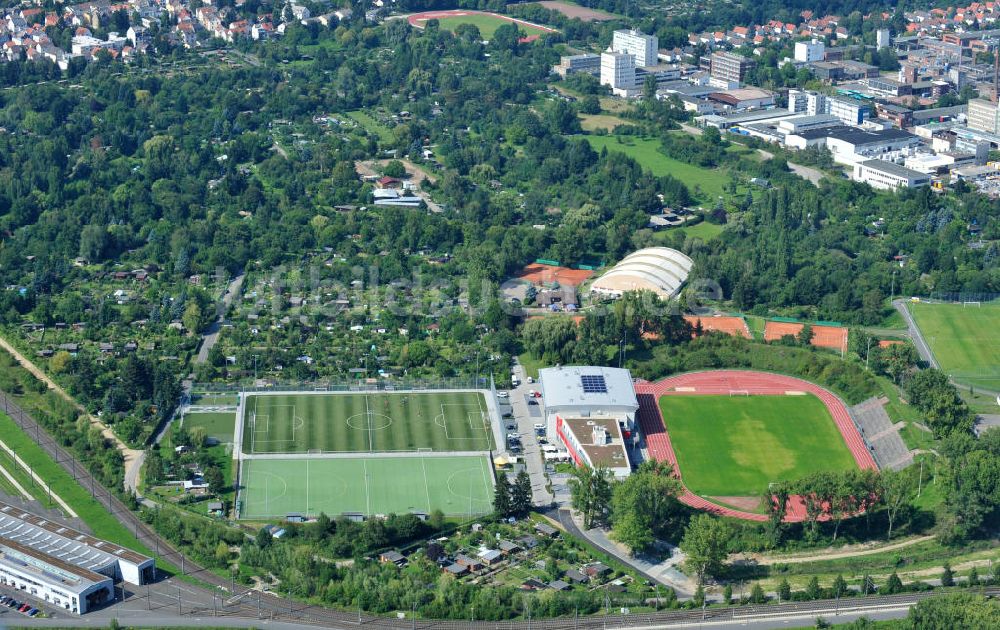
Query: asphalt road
x,y
211,335
526,416
918,340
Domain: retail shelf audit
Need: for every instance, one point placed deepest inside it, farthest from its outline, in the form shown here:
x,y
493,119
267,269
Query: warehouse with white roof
x,y
590,411
62,565
658,269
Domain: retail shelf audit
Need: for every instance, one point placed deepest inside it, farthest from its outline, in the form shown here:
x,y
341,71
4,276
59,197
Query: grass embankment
x,y
646,151
93,513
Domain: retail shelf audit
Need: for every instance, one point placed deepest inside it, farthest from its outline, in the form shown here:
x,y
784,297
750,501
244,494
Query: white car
x,y
503,395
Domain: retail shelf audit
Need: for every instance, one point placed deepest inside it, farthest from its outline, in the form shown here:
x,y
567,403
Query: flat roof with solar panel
x,y
601,388
593,384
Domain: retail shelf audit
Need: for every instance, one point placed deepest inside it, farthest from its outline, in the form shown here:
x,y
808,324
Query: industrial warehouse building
x,y
590,411
658,269
64,566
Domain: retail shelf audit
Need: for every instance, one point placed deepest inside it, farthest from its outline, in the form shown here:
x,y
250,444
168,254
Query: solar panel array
x,y
593,384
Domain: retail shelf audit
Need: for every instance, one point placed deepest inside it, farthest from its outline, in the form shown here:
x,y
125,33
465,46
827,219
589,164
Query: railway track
x,y
255,605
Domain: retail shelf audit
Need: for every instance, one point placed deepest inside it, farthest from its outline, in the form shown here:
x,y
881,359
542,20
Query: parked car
x,y
503,395
532,401
32,612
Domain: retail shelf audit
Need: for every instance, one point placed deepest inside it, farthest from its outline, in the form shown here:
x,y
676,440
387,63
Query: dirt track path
x,y
835,555
132,457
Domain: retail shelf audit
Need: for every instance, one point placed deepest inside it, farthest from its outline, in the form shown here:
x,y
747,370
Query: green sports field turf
x,y
487,24
220,425
964,340
354,422
371,485
737,445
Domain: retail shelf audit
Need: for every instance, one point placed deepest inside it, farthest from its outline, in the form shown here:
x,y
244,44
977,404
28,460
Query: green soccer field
x,y
734,446
370,485
372,422
487,24
964,340
220,425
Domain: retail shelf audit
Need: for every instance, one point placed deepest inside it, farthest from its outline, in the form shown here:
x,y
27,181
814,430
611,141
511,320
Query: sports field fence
x,y
349,385
960,297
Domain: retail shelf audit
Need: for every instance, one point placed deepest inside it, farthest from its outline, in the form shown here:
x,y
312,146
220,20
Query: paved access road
x,y
526,416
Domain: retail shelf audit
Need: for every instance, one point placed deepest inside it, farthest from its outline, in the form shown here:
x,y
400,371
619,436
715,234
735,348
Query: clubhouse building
x,y
591,412
62,566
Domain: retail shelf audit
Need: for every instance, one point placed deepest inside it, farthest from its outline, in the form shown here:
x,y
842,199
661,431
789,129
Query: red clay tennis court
x,y
723,382
734,326
537,273
823,336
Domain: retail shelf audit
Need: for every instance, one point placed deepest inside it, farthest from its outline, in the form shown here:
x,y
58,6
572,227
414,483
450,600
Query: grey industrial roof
x,y
29,560
64,543
855,136
563,387
893,169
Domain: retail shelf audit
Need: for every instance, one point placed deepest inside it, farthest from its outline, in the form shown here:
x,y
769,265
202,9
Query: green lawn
x,y
220,425
737,445
371,485
705,231
351,422
94,514
964,340
487,24
646,151
371,125
207,400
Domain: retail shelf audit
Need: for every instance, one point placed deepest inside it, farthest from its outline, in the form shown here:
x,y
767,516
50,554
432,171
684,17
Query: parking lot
x,y
13,601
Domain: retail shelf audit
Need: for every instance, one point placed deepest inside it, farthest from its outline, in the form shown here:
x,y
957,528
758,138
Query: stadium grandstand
x,y
658,269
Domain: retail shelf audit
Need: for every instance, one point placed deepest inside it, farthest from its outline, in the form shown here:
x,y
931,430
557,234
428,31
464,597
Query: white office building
x,y
618,72
643,47
882,38
888,175
808,52
849,110
590,411
805,102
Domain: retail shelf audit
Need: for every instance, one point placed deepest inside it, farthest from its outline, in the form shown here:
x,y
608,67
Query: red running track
x,y
724,382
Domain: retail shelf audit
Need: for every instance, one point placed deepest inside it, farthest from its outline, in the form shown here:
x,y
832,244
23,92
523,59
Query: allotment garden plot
x,y
366,422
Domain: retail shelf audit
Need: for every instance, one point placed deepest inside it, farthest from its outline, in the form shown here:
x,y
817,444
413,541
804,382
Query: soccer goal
x,y
739,392
968,304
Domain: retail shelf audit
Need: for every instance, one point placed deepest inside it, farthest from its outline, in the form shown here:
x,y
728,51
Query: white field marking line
x,y
486,478
427,489
468,418
368,496
464,471
307,486
368,413
484,417
24,492
31,473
